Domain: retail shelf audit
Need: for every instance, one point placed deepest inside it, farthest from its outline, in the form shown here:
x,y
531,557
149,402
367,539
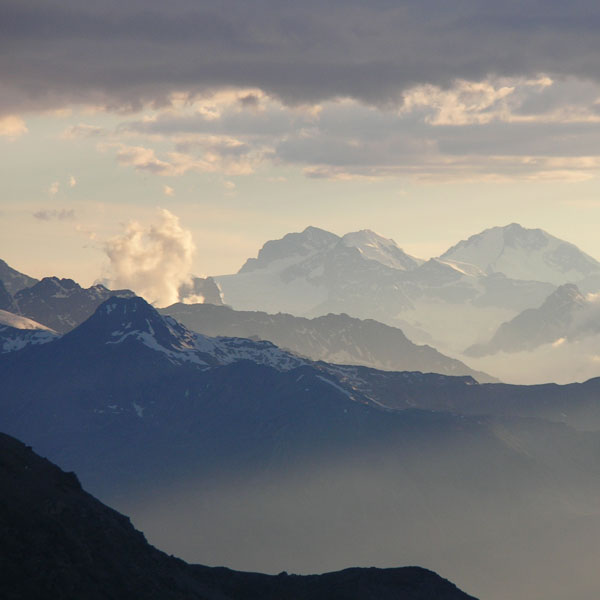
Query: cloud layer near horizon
x,y
122,55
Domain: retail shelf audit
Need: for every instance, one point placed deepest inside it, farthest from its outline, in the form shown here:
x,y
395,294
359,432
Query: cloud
x,y
470,131
154,261
168,190
55,214
53,189
12,127
87,232
124,55
82,130
225,158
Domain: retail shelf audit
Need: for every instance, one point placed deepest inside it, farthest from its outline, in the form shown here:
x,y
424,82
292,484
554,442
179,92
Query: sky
x,y
183,135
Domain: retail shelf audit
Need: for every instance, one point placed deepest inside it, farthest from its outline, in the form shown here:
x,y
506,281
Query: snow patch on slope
x,y
19,322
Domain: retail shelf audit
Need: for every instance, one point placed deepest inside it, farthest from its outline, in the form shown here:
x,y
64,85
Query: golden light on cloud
x,y
12,127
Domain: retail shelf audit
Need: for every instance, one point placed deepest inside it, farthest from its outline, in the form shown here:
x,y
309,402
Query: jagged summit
x,y
62,304
133,324
385,251
117,319
526,254
299,245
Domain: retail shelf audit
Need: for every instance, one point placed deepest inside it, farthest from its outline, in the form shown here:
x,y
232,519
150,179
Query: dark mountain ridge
x,y
203,438
60,542
62,304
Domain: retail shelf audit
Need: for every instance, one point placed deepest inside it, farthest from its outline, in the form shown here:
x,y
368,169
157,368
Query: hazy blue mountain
x,y
331,338
474,286
528,254
62,304
303,271
13,280
213,444
59,541
562,315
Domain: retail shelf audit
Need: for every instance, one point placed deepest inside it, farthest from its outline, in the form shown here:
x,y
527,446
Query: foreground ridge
x,y
60,542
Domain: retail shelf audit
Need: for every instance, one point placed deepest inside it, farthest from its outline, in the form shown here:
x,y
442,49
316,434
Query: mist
x,y
153,261
475,510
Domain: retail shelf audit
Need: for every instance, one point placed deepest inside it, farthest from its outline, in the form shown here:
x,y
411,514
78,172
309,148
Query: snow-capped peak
x,y
300,245
129,321
521,253
385,251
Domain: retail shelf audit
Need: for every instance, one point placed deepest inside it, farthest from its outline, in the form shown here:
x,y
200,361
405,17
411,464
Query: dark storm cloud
x,y
122,54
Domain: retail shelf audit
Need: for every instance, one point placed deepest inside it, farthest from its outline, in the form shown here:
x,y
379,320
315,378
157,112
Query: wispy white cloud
x,y
54,187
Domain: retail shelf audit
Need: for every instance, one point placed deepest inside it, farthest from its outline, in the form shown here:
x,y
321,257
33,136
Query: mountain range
x,y
330,338
452,299
60,542
60,304
214,443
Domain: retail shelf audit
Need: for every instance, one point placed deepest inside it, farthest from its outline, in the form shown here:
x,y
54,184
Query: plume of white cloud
x,y
168,190
72,181
53,189
153,261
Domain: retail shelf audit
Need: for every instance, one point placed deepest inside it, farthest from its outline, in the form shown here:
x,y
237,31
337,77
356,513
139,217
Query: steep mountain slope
x,y
9,319
62,304
520,253
331,338
16,332
7,302
60,542
562,315
380,249
211,451
13,280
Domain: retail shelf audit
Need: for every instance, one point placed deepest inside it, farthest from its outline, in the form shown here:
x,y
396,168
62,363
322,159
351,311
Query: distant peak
x,y
568,292
306,242
373,246
312,230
